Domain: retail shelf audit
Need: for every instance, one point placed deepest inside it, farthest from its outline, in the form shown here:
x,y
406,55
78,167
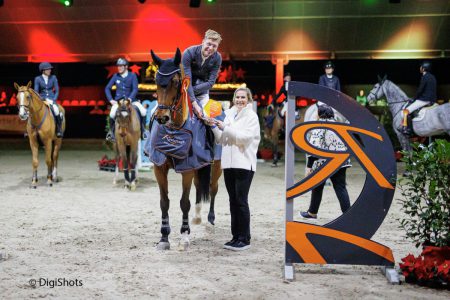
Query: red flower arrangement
x,y
106,164
431,267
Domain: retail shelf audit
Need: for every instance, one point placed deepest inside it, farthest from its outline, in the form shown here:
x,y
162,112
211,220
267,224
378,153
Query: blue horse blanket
x,y
190,147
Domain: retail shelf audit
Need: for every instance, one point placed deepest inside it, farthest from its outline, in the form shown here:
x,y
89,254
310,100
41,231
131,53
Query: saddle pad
x,y
173,142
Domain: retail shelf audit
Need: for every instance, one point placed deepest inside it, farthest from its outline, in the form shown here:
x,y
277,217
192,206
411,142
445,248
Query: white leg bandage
x,y
141,108
112,113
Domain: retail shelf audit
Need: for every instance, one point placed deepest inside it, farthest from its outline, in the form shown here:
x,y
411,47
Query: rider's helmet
x,y
122,62
45,66
328,64
426,65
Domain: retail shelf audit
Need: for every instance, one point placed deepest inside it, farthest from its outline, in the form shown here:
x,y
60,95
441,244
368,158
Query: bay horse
x,y
431,121
173,112
41,124
128,133
276,118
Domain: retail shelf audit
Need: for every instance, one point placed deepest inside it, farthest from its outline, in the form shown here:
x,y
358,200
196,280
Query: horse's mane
x,y
400,92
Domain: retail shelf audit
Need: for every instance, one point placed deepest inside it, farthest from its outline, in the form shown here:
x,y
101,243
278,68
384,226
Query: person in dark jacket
x,y
426,94
327,140
126,88
329,79
282,91
46,85
202,64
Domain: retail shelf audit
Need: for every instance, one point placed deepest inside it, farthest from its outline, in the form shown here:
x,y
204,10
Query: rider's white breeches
x,y
55,107
142,110
416,105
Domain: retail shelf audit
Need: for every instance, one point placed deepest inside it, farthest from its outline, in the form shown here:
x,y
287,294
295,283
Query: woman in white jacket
x,y
239,135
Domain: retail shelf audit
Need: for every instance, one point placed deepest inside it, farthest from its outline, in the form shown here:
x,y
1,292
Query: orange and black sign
x,y
345,240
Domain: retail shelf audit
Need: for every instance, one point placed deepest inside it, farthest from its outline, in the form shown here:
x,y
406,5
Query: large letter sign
x,y
345,240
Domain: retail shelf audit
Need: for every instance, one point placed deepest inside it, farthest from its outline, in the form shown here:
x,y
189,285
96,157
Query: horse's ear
x,y
156,59
177,58
16,86
379,79
29,84
384,78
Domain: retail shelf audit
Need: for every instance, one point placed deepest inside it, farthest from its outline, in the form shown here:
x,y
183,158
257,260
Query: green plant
x,y
426,194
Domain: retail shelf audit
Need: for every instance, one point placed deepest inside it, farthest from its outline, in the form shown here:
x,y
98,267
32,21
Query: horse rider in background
x,y
426,94
126,88
46,85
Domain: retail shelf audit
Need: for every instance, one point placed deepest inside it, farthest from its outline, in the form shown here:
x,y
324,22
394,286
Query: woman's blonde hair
x,y
247,91
213,35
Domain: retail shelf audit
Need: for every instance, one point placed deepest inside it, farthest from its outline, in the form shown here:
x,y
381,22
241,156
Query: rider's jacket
x,y
203,74
332,83
427,88
49,90
126,87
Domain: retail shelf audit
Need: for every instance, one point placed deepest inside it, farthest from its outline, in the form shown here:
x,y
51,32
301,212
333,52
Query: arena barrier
x,y
345,240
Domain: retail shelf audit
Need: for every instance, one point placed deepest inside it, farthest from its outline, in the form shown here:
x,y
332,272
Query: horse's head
x,y
168,82
123,115
23,100
377,91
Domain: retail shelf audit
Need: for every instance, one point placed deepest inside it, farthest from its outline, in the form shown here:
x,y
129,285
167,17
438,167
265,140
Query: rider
x,y
126,88
202,64
286,78
425,95
329,79
46,85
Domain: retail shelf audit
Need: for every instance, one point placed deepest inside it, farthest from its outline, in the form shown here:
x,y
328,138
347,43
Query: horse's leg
x,y
117,159
34,145
125,162
275,144
133,160
197,219
48,144
56,149
161,178
185,205
216,173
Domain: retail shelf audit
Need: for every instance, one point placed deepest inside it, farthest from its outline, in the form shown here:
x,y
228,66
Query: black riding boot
x,y
143,135
110,136
59,132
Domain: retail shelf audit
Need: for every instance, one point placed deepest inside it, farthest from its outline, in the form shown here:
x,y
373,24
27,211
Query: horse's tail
x,y
204,179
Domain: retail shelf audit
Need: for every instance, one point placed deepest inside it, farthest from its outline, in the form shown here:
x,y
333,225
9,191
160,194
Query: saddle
x,y
417,115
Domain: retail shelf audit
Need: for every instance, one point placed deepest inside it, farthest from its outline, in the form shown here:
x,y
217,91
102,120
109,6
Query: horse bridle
x,y
389,103
27,108
175,106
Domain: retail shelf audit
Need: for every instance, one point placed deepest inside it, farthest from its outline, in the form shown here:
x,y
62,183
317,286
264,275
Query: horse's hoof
x,y
196,220
211,218
49,184
183,244
33,186
163,246
133,187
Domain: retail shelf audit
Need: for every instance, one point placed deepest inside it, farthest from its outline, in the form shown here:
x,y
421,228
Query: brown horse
x,y
128,131
173,110
272,134
41,124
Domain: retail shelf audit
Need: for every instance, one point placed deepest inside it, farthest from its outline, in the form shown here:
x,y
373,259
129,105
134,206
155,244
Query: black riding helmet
x,y
328,64
426,65
325,112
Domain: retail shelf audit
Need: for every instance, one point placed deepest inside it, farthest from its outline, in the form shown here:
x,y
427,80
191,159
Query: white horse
x,y
433,120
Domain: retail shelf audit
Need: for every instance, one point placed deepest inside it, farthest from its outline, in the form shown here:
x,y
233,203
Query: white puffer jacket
x,y
240,138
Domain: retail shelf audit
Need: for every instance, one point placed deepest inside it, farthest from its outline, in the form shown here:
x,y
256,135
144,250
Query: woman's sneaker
x,y
228,244
239,246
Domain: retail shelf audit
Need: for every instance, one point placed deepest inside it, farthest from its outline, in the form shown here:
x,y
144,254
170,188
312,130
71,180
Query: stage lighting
x,y
68,3
211,1
1,3
394,1
194,3
142,1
